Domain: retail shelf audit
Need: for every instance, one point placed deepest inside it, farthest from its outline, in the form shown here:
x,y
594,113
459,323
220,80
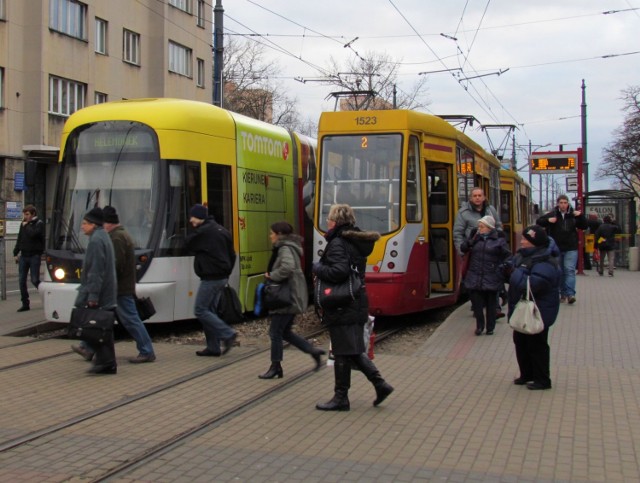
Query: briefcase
x,y
94,326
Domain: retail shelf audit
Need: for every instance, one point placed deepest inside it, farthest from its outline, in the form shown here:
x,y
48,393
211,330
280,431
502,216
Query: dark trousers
x,y
533,355
28,264
481,299
281,330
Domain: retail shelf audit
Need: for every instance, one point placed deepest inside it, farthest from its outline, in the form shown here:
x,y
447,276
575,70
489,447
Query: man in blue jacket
x,y
562,224
213,263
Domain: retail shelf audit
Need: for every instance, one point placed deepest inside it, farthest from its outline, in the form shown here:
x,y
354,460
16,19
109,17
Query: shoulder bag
x,y
145,307
330,295
94,326
526,316
229,307
276,295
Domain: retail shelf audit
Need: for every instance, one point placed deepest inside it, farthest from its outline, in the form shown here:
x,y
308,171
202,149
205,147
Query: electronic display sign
x,y
553,162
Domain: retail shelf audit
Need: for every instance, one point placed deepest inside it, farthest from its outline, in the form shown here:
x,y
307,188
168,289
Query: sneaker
x,y
521,381
610,274
489,332
563,300
571,300
139,359
87,355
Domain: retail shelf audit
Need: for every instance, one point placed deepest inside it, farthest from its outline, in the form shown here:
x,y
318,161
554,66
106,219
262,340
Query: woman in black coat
x,y
606,243
484,278
538,261
348,246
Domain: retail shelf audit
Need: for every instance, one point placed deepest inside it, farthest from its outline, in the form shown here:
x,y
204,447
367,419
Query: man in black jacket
x,y
562,225
29,247
213,263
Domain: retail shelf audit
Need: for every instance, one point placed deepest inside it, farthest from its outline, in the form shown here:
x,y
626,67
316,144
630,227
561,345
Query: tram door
x,y
219,194
440,227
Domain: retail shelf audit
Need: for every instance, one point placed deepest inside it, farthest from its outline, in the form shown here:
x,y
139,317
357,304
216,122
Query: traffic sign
x,y
572,183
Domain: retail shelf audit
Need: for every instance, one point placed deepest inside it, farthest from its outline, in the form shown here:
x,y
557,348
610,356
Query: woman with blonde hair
x,y
347,249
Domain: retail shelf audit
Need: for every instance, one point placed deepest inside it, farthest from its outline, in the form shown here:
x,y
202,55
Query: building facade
x,y
57,56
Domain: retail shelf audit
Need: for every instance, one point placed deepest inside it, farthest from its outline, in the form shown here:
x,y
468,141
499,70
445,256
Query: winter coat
x,y
30,238
286,265
347,245
213,248
98,277
487,253
565,230
467,219
124,251
540,265
607,231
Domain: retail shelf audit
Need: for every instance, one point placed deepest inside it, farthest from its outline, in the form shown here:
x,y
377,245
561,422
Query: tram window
x,y
219,194
505,206
438,196
414,191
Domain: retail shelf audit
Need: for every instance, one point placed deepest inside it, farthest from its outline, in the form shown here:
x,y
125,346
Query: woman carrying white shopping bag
x,y
535,266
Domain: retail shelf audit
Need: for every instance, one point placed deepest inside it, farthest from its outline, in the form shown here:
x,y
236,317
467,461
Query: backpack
x,y
229,307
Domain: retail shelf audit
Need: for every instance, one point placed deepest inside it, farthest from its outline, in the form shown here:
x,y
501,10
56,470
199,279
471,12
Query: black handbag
x,y
276,295
330,295
94,326
145,307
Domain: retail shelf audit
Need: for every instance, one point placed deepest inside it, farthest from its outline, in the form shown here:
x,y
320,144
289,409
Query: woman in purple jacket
x,y
483,280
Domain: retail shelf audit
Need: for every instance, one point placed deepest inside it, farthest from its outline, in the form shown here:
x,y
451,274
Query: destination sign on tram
x,y
553,162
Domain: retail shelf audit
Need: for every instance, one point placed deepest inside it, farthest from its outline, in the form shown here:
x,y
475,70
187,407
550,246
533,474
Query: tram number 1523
x,y
366,120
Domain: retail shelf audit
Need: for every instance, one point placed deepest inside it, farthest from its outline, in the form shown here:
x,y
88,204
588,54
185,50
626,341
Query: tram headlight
x,y
59,273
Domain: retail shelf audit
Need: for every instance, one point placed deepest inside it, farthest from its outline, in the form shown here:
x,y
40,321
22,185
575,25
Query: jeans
x,y
128,316
568,261
279,330
28,264
215,329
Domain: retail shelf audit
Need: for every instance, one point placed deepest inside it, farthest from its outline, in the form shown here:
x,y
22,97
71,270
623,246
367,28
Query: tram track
x,y
175,439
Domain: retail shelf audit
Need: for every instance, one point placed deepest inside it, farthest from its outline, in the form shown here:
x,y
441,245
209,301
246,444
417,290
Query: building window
x,y
2,10
179,59
100,98
200,79
68,17
131,47
101,36
200,13
65,96
184,5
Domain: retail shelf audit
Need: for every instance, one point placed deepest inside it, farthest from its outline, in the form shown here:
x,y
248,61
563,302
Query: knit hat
x,y
110,215
95,216
199,211
488,220
536,235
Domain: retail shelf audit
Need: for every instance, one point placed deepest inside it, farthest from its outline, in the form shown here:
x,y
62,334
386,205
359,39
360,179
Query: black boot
x,y
24,308
368,368
340,399
274,371
317,356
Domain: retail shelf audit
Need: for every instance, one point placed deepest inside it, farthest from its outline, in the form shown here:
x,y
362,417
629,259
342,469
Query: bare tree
x,y
621,158
250,88
370,82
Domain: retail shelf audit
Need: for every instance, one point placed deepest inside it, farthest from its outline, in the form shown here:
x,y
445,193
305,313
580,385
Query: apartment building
x,y
58,56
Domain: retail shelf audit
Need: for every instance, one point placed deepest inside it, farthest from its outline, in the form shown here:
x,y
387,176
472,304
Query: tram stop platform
x,y
455,414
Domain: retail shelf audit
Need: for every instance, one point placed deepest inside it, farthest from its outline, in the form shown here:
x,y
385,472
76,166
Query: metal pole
x,y
580,206
218,49
3,268
583,117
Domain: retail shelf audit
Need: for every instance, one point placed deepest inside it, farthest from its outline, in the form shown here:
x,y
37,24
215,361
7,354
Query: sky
x,y
529,59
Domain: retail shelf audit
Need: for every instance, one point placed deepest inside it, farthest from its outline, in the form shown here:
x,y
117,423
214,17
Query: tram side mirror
x,y
536,209
30,168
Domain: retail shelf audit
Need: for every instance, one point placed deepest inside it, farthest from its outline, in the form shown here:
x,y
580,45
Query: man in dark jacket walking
x,y
28,252
213,263
563,224
124,250
606,242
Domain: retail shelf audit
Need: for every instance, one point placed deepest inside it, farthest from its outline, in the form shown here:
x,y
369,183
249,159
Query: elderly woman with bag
x,y
347,249
484,279
536,260
285,267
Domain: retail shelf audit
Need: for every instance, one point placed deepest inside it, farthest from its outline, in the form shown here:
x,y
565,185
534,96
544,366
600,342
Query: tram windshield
x,y
107,163
364,172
